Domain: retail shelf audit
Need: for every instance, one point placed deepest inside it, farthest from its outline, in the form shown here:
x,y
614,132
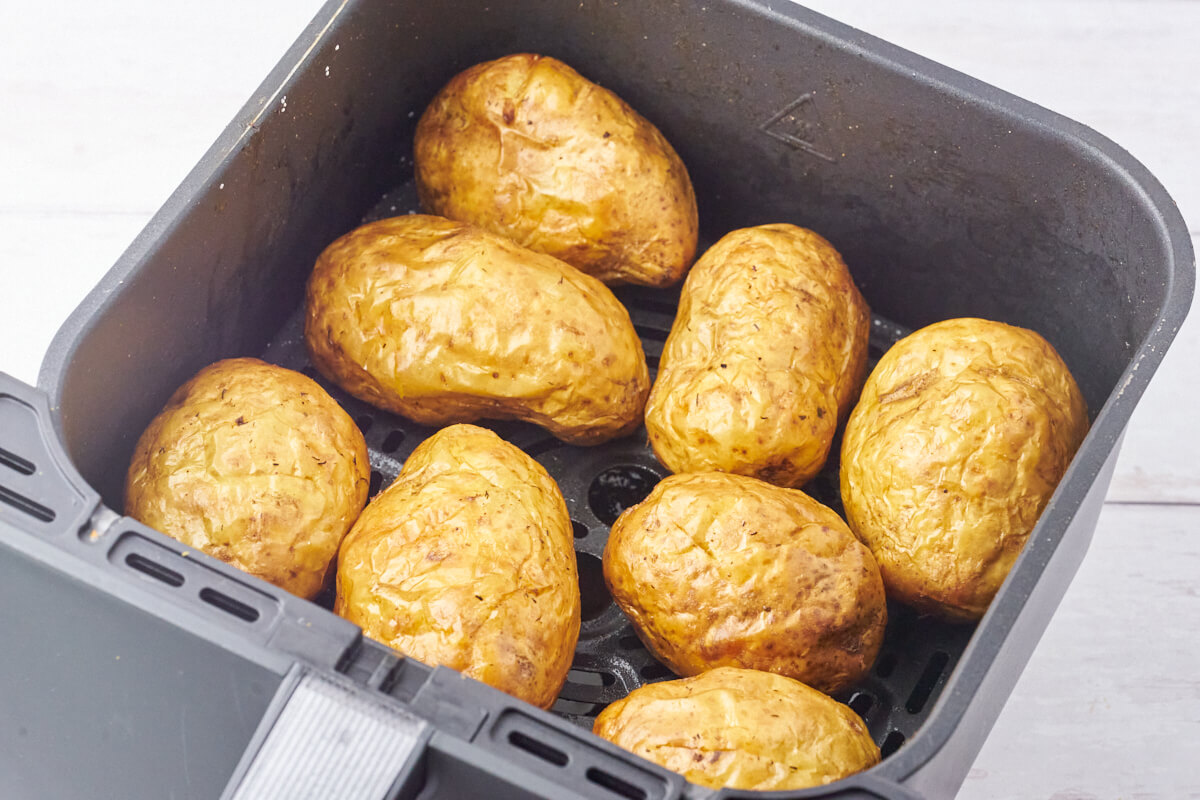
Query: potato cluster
x,y
542,190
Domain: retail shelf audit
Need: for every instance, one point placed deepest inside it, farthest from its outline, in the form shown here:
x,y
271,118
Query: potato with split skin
x,y
742,729
766,354
715,569
528,148
963,431
256,465
467,560
443,322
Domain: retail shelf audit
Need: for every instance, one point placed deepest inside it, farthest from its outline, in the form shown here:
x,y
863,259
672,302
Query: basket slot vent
x,y
23,504
891,743
229,604
153,569
929,678
861,703
538,748
392,442
13,461
614,784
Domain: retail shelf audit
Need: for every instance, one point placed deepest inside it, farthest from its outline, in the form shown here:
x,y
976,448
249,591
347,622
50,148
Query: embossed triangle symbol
x,y
798,126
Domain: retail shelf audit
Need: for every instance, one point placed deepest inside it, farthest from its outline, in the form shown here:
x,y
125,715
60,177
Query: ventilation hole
x,y
392,442
861,703
155,570
617,488
13,461
586,677
651,333
575,708
655,672
579,529
593,594
929,678
376,482
615,784
630,643
25,505
540,749
228,604
885,665
891,743
364,422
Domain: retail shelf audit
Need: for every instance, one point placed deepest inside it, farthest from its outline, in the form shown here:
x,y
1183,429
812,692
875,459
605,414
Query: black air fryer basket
x,y
174,674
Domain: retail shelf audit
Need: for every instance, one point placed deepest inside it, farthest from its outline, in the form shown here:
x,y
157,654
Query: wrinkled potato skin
x,y
723,570
467,560
766,355
528,148
743,729
443,322
256,465
962,433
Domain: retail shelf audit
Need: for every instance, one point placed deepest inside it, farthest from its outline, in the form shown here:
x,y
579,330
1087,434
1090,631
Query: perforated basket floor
x,y
600,482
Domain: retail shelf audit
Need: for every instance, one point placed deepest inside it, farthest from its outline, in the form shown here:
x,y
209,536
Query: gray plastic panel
x,y
101,699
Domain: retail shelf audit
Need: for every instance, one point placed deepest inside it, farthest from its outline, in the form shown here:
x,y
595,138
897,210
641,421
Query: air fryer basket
x,y
946,197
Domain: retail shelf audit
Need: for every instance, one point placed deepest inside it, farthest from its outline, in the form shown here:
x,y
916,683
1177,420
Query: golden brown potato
x,y
526,147
723,570
444,322
743,729
963,431
467,560
766,354
256,465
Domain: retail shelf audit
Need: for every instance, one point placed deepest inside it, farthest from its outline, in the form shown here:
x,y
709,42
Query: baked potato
x,y
765,356
256,465
467,560
742,729
443,322
528,148
962,433
715,569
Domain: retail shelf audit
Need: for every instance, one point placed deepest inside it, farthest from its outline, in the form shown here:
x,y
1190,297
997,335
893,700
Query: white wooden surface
x,y
105,106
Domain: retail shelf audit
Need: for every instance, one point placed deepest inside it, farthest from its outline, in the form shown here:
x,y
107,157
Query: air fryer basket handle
x,y
40,490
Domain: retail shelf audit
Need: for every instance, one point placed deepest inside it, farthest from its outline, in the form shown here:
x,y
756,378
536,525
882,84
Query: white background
x,y
104,107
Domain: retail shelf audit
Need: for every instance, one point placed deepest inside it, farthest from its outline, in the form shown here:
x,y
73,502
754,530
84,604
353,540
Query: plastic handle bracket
x,y
40,491
325,737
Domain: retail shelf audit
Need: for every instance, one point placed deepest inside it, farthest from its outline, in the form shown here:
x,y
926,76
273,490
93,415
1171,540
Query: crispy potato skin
x,y
443,322
765,356
723,570
528,148
256,465
962,433
467,560
741,728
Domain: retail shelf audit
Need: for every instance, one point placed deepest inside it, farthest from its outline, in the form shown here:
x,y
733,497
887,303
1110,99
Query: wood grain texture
x,y
107,106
